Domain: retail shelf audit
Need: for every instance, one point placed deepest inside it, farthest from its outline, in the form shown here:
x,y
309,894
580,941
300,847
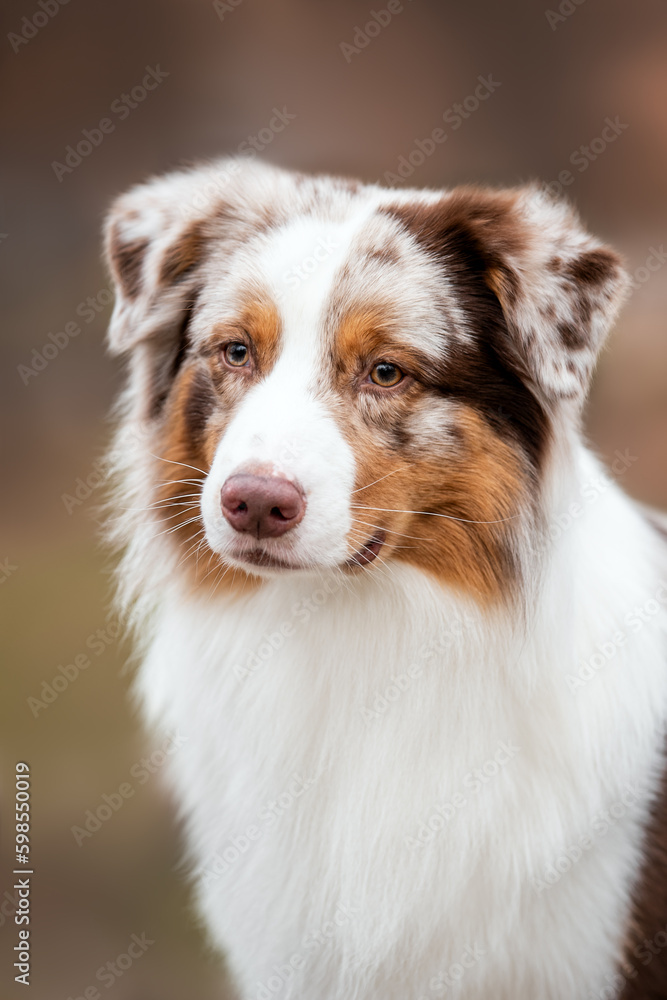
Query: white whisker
x,y
393,472
175,527
391,531
186,482
172,462
162,505
430,513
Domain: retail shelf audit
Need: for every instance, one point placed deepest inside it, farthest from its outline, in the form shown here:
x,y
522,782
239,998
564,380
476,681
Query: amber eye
x,y
236,354
386,374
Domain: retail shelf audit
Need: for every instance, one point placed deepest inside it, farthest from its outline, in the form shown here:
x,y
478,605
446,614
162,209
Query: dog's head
x,y
334,376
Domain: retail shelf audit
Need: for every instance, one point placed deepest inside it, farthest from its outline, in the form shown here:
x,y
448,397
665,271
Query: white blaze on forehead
x,y
301,263
281,423
310,264
282,409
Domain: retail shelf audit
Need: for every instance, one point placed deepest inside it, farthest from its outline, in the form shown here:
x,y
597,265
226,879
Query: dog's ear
x,y
558,289
158,238
155,240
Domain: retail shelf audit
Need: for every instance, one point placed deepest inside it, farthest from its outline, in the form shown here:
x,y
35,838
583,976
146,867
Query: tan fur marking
x,y
360,334
261,322
184,254
204,567
366,335
473,475
481,481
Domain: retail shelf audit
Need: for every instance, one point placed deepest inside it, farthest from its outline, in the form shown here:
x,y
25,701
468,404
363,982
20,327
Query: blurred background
x,y
574,94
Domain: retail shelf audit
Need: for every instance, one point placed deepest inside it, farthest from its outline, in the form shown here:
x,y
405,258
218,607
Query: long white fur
x,y
375,697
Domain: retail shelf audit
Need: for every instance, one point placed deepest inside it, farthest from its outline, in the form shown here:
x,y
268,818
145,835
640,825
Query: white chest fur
x,y
389,794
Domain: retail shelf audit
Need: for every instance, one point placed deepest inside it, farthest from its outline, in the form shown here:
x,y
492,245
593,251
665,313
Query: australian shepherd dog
x,y
410,634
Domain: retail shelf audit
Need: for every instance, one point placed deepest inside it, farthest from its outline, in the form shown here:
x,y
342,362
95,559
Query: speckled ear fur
x,y
153,246
560,289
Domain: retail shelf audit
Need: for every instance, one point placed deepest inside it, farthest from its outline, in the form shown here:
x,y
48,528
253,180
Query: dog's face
x,y
337,376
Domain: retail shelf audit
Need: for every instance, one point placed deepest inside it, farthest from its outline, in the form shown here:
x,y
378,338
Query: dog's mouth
x,y
364,556
369,551
262,559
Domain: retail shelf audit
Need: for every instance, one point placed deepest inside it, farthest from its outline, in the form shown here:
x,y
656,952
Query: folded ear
x,y
559,288
155,238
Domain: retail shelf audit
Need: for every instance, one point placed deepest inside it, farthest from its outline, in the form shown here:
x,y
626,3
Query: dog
x,y
411,634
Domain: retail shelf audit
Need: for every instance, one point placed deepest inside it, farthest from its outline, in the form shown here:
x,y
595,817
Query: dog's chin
x,y
257,559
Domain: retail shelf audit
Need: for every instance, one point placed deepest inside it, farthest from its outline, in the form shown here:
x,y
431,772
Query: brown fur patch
x,y
167,356
361,333
594,267
184,254
503,281
472,233
193,425
485,218
258,325
477,479
262,322
571,337
368,335
645,960
450,503
128,259
389,254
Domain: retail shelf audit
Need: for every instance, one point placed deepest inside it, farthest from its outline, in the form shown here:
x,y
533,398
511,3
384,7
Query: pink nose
x,y
263,506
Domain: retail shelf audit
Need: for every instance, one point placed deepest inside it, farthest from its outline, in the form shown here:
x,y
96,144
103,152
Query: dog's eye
x,y
236,354
386,374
